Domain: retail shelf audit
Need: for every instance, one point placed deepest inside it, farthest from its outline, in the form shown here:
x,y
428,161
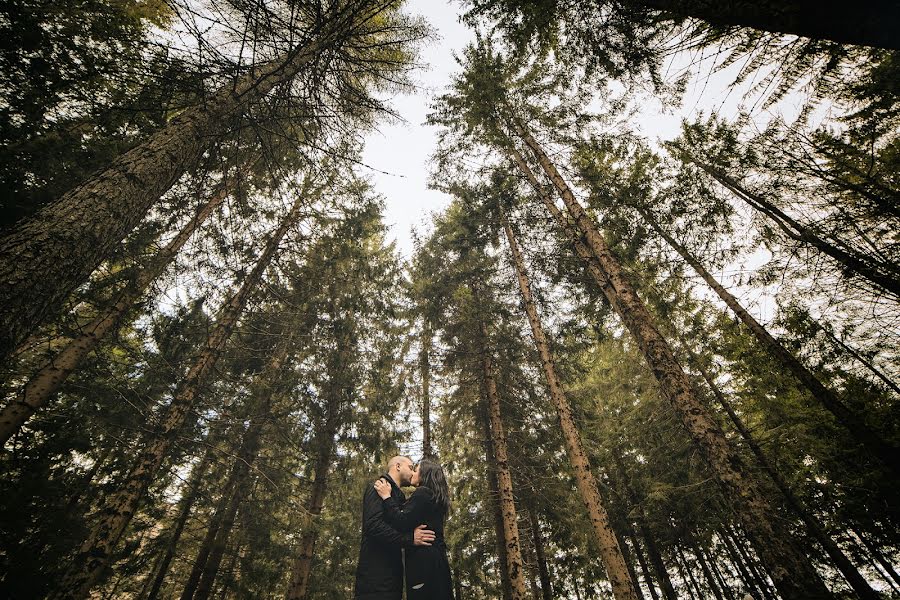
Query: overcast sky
x,y
398,154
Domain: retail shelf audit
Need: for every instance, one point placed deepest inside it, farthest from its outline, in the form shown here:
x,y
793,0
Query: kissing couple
x,y
394,526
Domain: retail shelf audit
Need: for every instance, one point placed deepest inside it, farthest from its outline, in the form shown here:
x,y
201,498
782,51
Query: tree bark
x,y
46,381
617,569
494,501
46,257
626,554
690,573
514,565
425,372
737,560
120,506
873,271
818,533
707,572
875,23
888,454
186,506
662,574
880,558
789,568
752,564
214,561
541,555
861,359
235,490
724,585
642,560
302,568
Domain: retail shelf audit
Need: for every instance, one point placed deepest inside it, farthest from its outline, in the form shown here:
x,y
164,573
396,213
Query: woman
x,y
427,567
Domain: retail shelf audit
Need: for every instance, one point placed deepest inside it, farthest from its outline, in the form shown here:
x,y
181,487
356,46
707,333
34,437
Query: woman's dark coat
x,y
427,567
379,572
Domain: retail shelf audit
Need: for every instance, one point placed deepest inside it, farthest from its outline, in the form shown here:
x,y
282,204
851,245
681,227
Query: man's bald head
x,y
400,468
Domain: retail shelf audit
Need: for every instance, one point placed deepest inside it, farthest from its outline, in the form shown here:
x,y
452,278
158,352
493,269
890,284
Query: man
x,y
379,573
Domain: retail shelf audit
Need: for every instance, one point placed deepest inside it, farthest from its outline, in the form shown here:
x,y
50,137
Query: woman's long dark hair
x,y
431,476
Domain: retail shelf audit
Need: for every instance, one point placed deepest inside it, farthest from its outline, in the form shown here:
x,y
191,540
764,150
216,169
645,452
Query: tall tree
x,y
46,257
119,508
47,379
617,570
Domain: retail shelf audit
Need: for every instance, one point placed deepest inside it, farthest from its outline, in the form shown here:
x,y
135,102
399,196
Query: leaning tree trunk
x,y
425,372
238,484
656,559
235,490
514,564
790,569
873,23
642,560
617,570
214,561
120,506
884,275
850,572
861,359
45,258
298,589
186,504
494,502
888,454
543,568
46,381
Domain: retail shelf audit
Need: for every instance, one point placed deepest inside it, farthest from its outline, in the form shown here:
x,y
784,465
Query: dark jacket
x,y
427,567
379,572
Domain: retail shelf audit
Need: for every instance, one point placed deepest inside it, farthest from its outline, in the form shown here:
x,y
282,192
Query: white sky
x,y
398,154
402,150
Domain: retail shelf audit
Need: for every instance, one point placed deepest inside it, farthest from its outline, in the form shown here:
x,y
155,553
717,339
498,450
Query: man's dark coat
x,y
379,573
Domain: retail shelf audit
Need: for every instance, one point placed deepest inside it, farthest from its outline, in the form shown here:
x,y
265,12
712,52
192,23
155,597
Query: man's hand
x,y
423,536
383,488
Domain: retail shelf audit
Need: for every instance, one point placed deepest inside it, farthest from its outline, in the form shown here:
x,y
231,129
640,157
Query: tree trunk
x,y
46,381
862,433
529,555
752,564
211,569
234,492
879,556
425,371
794,575
707,572
687,568
723,584
747,578
543,567
818,533
302,568
642,560
684,577
120,506
874,23
866,363
873,271
494,501
186,506
514,564
629,561
239,483
84,485
665,582
617,569
46,257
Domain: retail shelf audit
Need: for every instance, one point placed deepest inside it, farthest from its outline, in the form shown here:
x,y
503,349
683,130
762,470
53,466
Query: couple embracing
x,y
393,525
